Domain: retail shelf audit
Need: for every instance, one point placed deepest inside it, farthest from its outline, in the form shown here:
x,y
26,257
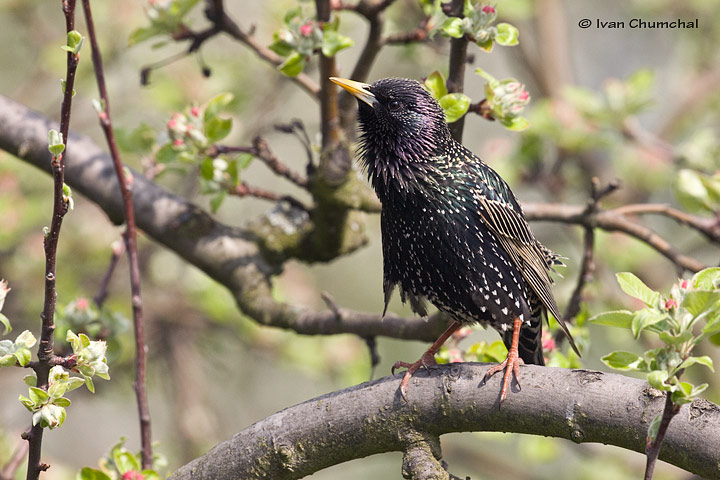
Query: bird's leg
x,y
510,364
426,360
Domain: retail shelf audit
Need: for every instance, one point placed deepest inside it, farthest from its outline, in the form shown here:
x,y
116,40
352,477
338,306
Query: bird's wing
x,y
499,208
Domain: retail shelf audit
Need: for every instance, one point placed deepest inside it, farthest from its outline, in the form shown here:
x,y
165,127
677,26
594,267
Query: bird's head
x,y
401,123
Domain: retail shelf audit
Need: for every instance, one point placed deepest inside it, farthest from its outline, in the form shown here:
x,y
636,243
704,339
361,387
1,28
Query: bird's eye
x,y
394,106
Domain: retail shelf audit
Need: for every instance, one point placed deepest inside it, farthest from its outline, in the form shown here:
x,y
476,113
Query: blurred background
x,y
633,104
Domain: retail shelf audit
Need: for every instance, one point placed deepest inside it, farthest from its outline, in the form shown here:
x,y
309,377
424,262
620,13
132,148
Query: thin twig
x,y
245,190
117,250
653,448
60,207
130,237
8,471
329,126
587,267
458,59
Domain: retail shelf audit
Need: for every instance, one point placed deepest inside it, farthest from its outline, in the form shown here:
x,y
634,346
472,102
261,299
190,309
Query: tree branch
x,y
239,258
458,59
56,165
130,238
366,419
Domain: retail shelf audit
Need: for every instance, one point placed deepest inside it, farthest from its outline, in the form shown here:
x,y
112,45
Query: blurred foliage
x,y
604,123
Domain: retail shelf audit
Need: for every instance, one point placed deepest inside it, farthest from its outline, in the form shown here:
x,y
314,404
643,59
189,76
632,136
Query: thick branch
x,y
229,255
232,256
366,419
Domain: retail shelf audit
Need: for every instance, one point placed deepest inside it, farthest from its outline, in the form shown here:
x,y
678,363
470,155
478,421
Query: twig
x,y
245,190
8,471
587,267
653,448
458,59
261,150
420,34
374,355
117,250
60,207
296,128
130,237
611,221
328,92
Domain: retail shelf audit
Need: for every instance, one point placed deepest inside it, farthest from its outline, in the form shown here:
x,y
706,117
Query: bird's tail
x,y
530,341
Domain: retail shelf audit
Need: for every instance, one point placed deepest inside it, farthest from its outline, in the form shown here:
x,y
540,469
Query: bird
x,y
453,232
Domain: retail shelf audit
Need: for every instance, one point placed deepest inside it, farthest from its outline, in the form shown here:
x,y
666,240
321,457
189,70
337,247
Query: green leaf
x,y
207,169
30,380
216,104
23,356
635,287
62,402
707,279
144,33
293,65
217,200
125,462
691,192
486,44
617,318
625,361
89,383
657,379
8,360
492,81
645,318
74,42
452,27
281,47
455,106
150,475
333,42
697,302
6,324
55,142
507,35
166,154
704,360
38,395
682,393
88,473
74,382
515,124
435,83
217,128
654,427
29,404
671,339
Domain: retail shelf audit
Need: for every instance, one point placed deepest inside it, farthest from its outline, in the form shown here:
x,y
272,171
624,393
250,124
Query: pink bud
x,y
685,284
488,9
195,111
81,303
172,124
306,29
523,95
178,143
671,303
548,343
455,356
189,127
132,475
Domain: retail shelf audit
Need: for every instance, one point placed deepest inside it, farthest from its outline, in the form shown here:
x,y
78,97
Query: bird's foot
x,y
427,360
511,365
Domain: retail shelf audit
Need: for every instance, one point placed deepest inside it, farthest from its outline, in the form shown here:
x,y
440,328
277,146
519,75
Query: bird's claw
x,y
427,360
511,366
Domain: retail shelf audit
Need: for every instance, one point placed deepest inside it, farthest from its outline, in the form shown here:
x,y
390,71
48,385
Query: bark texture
x,y
579,405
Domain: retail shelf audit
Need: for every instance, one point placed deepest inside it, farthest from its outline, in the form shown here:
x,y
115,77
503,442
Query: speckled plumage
x,y
452,230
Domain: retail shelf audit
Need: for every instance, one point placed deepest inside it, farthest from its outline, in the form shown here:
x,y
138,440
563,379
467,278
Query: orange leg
x,y
510,364
426,360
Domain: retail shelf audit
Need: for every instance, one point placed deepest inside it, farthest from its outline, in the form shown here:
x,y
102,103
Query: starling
x,y
453,232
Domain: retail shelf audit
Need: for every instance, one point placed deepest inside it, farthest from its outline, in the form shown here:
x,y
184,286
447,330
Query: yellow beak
x,y
358,89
